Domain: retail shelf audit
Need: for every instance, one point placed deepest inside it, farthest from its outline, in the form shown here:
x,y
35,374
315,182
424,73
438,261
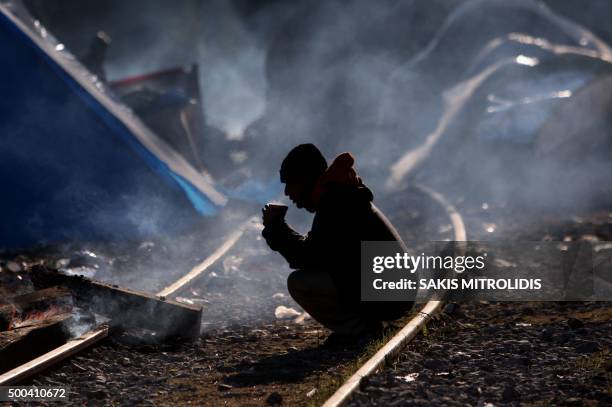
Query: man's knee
x,y
293,282
308,283
297,282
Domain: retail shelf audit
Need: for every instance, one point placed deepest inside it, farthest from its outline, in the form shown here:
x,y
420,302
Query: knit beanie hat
x,y
304,163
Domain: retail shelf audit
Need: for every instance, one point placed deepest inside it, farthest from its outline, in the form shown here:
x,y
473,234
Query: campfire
x,y
42,309
33,308
19,320
33,323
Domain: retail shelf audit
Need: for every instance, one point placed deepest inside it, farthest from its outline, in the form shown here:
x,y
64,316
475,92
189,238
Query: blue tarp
x,y
74,163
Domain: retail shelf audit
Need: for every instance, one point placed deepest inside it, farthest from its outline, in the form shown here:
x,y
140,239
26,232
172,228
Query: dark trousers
x,y
316,293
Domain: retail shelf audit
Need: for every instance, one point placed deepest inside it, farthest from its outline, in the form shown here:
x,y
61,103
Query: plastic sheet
x,y
77,164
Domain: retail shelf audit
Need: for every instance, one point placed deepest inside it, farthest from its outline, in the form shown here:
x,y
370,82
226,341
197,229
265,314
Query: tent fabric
x,y
76,164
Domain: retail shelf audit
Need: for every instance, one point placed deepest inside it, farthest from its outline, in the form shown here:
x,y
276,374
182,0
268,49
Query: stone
x,y
274,399
546,334
574,323
96,394
491,330
433,364
451,308
588,347
223,387
509,394
474,390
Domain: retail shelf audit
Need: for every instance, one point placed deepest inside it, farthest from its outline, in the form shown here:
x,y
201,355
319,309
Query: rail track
x,y
183,282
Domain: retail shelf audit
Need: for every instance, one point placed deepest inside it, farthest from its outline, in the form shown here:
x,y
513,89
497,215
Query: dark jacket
x,y
345,216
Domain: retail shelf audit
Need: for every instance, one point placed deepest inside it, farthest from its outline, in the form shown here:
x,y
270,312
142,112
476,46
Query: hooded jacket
x,y
344,217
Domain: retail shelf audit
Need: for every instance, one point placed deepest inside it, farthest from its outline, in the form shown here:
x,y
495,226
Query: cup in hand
x,y
273,212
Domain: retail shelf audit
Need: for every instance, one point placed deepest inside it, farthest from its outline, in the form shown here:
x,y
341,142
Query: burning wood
x,y
32,337
125,307
26,309
32,324
7,313
35,318
35,327
51,294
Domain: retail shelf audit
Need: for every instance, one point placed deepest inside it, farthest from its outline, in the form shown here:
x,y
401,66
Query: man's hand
x,y
273,213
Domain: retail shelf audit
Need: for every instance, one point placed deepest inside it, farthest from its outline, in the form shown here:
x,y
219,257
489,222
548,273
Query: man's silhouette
x,y
326,280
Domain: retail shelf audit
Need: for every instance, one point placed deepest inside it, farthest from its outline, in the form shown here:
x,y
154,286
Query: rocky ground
x,y
236,366
257,347
534,354
490,354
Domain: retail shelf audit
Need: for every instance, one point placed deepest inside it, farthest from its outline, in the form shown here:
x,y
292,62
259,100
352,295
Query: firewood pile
x,y
42,310
33,323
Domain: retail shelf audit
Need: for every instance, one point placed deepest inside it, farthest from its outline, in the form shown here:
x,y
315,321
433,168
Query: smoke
x,y
159,35
328,69
496,85
477,98
232,69
458,102
369,77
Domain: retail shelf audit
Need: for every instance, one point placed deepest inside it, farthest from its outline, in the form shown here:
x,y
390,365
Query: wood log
x,y
22,344
126,307
6,315
36,300
44,296
7,338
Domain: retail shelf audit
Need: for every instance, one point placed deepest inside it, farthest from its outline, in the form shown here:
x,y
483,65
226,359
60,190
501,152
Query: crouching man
x,y
326,280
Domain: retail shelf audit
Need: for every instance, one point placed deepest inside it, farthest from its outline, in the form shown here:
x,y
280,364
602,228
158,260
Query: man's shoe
x,y
336,340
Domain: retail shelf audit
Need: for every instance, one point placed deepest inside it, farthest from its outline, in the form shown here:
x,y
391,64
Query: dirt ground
x,y
534,354
246,355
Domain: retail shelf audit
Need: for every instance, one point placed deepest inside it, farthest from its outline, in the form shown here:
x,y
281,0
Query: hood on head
x,y
340,173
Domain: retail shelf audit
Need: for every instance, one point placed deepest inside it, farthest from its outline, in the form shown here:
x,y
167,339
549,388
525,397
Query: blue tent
x,y
75,163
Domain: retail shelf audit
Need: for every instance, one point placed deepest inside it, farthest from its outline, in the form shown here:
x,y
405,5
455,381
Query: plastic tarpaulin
x,y
75,163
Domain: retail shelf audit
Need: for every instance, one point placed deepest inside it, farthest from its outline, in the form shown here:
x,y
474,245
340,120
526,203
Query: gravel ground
x,y
248,356
238,366
539,354
248,353
490,354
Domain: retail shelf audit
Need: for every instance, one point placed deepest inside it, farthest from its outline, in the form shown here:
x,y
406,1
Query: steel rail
x,y
395,345
197,271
